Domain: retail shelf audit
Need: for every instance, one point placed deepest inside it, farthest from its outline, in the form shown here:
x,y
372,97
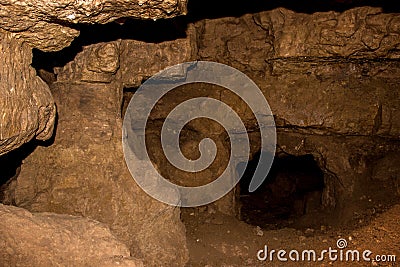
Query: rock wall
x,y
26,103
88,176
29,110
47,239
330,78
349,87
50,26
335,98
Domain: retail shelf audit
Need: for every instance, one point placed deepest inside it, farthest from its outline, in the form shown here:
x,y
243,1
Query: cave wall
x,y
86,173
51,26
331,80
47,239
26,103
341,86
29,110
106,192
332,86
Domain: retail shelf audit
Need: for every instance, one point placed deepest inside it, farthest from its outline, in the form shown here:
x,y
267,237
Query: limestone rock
x,y
387,169
23,14
238,42
141,60
48,239
48,25
27,106
329,86
358,32
48,36
87,91
127,61
335,98
88,176
97,63
331,80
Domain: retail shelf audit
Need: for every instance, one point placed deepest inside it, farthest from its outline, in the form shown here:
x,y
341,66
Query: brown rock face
x,y
26,103
141,60
359,32
48,239
48,25
334,95
88,176
340,85
21,15
47,36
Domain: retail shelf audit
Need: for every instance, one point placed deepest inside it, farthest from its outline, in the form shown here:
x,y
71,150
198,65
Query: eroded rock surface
x,y
334,93
21,15
27,106
88,176
49,25
48,239
340,85
358,32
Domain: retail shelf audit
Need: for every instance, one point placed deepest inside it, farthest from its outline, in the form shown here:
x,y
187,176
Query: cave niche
x,y
291,191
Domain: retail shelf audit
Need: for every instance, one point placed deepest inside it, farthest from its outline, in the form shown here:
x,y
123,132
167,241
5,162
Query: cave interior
x,y
330,71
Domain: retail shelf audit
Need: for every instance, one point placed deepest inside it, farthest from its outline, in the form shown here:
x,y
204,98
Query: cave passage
x,y
291,191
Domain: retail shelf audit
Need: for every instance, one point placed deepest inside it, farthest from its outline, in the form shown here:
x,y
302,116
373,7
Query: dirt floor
x,y
215,239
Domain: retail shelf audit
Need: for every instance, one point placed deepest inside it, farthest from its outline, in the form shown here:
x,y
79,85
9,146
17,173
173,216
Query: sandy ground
x,y
215,239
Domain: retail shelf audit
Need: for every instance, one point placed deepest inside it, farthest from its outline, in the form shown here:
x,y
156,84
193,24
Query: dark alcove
x,y
291,191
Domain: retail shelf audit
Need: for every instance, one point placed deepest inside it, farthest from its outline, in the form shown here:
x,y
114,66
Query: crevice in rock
x,y
127,95
148,31
10,165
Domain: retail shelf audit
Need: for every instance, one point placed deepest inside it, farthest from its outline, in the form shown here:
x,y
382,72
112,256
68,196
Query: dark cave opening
x,y
127,94
10,165
289,196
